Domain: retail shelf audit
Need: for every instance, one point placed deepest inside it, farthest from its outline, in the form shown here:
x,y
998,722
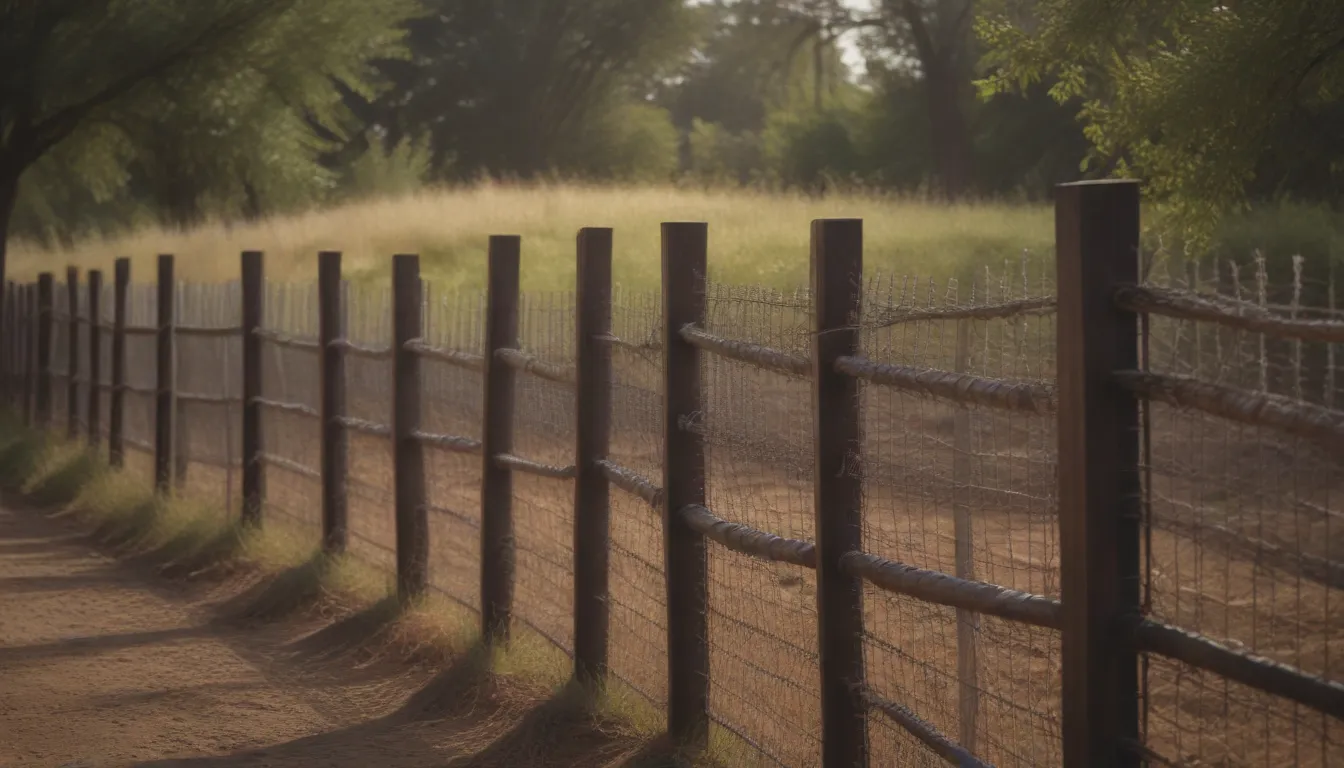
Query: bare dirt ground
x,y
102,666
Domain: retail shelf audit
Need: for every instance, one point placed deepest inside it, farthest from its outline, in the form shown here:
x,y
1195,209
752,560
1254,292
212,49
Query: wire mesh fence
x,y
1244,526
958,462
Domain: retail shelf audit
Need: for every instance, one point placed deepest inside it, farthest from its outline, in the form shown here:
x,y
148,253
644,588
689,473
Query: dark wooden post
x,y
30,367
116,417
95,393
685,246
7,337
164,378
1097,248
254,477
411,516
497,545
46,294
592,511
331,334
837,288
72,353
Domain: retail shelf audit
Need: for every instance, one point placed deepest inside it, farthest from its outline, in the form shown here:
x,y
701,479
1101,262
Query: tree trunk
x,y
949,132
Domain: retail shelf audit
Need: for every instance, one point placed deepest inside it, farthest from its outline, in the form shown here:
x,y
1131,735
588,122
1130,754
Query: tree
x,y
1203,101
932,40
498,85
199,97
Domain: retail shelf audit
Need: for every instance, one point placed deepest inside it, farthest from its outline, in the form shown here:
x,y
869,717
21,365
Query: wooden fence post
x,y
254,286
685,248
497,544
116,417
10,335
412,519
164,379
30,368
592,511
95,393
837,289
1097,247
72,353
331,335
46,294
968,622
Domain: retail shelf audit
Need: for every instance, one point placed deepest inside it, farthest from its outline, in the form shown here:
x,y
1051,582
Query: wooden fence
x,y
1098,402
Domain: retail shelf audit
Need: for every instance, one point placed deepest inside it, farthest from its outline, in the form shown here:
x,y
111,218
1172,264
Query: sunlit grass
x,y
754,237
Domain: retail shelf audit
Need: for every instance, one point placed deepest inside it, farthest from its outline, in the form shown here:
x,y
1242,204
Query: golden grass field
x,y
754,237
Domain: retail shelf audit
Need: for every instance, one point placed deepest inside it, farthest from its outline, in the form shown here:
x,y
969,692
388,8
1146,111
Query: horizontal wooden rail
x,y
1263,553
289,465
203,399
519,464
364,427
468,360
1229,312
295,408
140,330
359,350
138,444
1030,396
1239,405
1246,668
531,364
748,352
921,729
291,342
205,332
1035,306
632,482
750,541
942,589
454,443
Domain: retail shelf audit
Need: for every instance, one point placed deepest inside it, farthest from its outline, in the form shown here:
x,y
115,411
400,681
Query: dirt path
x,y
99,668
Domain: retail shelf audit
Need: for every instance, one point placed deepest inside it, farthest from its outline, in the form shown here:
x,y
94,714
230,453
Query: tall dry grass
x,y
754,237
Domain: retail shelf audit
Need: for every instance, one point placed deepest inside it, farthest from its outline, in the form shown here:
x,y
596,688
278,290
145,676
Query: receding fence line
x,y
1099,615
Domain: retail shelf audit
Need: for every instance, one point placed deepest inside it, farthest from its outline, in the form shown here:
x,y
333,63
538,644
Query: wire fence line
x,y
964,576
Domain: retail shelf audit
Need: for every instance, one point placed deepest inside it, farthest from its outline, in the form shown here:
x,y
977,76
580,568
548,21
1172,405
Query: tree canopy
x,y
118,112
1209,103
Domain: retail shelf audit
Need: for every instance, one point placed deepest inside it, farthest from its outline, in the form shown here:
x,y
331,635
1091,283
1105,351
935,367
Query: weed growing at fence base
x,y
754,237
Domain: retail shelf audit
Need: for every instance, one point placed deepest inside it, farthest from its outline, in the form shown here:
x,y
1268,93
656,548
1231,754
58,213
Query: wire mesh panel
x,y
763,623
60,357
369,482
543,433
1245,528
968,490
107,314
290,387
208,386
141,378
452,405
638,611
